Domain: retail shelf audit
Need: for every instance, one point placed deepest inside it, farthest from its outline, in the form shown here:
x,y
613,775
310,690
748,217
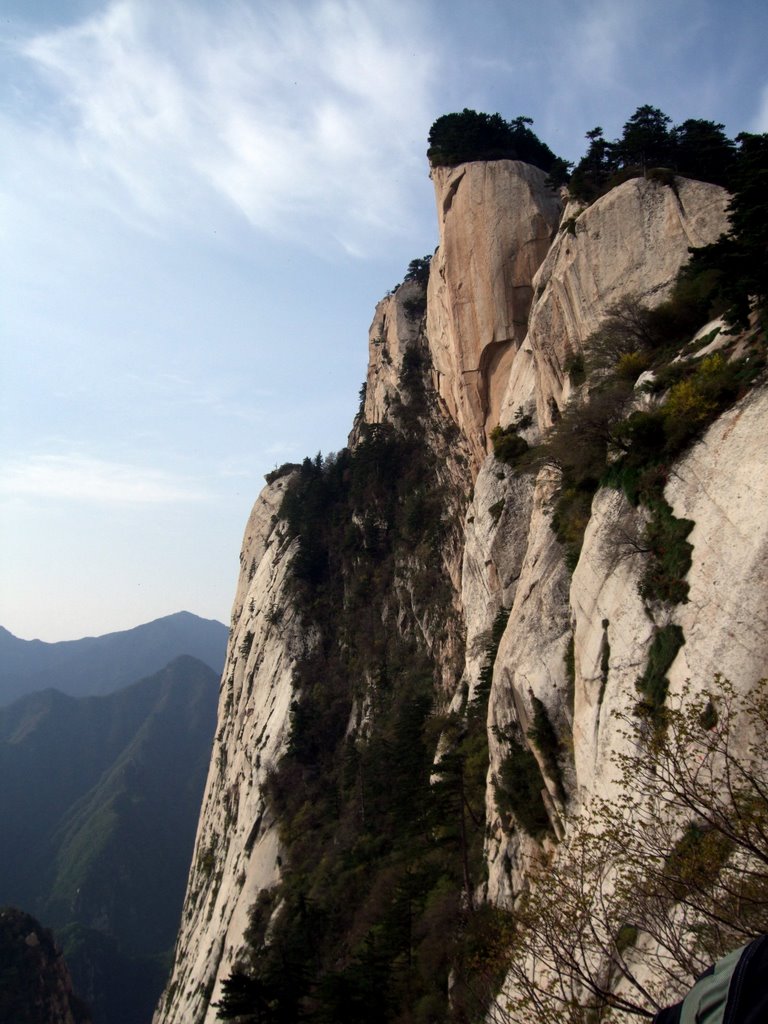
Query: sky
x,y
201,202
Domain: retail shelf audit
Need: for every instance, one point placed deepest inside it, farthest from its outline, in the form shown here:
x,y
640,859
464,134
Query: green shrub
x,y
415,308
508,446
458,138
631,365
653,684
696,860
418,270
518,789
575,367
543,734
670,555
279,471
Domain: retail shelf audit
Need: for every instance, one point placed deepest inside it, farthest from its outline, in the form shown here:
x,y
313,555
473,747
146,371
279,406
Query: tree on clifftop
x,y
458,138
740,259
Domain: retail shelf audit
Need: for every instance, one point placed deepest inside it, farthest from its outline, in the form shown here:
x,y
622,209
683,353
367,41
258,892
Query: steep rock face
x,y
393,333
237,848
722,485
631,242
399,355
496,224
36,986
237,851
505,309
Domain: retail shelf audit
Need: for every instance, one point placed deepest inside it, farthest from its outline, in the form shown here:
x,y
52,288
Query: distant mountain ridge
x,y
103,664
99,805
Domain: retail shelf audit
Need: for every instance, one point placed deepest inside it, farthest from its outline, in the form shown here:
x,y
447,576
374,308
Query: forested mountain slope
x,y
99,803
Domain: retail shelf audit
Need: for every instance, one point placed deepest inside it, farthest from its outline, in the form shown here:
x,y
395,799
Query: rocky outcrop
x,y
722,485
496,224
36,987
237,850
631,242
393,333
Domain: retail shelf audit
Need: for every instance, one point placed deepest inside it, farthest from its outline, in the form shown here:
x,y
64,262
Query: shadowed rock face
x,y
510,297
36,987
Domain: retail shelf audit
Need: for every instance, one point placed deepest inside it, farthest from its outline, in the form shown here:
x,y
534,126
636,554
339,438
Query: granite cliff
x,y
36,985
512,617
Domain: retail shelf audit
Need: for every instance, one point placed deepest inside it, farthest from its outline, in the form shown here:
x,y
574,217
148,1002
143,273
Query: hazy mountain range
x,y
103,664
100,800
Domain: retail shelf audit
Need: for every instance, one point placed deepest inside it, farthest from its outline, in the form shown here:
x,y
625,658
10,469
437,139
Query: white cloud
x,y
84,479
293,113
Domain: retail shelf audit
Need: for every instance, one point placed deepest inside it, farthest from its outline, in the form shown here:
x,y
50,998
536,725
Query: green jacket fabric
x,y
732,991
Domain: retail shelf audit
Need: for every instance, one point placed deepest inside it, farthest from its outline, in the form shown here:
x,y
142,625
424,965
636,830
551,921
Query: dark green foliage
x,y
483,688
739,259
592,172
415,308
508,446
418,270
289,467
495,510
519,786
696,860
709,716
653,683
646,140
626,938
575,368
245,997
34,981
569,660
459,138
559,172
543,734
650,145
578,445
605,660
595,442
376,854
703,151
670,555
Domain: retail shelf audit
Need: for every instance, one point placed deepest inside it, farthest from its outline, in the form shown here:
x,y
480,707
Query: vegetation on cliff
x,y
694,149
679,859
35,986
381,795
379,915
458,138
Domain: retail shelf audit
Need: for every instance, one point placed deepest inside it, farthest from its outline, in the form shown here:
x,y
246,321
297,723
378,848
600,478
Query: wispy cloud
x,y
221,396
294,114
85,479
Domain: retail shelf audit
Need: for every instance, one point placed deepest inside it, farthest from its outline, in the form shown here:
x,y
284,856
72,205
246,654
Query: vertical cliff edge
x,y
417,576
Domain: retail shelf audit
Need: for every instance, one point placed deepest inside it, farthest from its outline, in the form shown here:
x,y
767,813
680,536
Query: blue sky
x,y
201,202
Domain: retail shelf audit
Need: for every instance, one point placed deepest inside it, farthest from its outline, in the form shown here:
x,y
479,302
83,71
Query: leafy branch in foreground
x,y
649,889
